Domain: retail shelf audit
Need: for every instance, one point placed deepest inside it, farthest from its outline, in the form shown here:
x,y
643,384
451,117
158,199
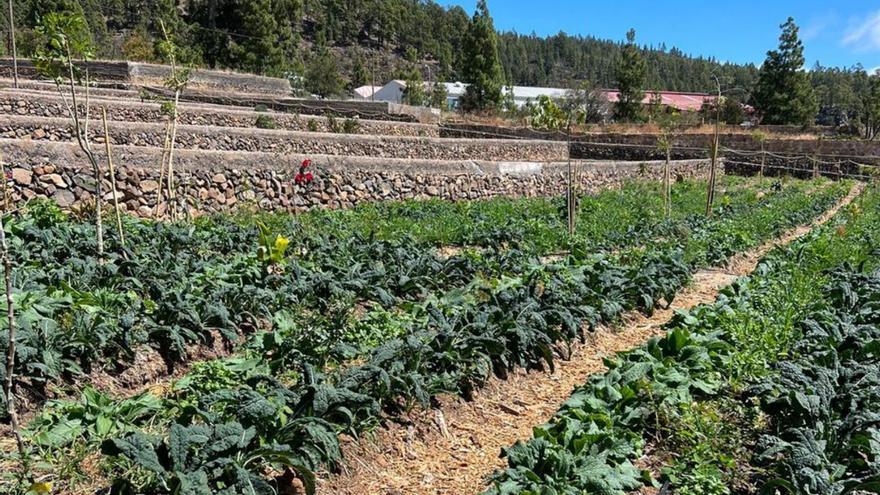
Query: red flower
x,y
299,178
305,164
309,177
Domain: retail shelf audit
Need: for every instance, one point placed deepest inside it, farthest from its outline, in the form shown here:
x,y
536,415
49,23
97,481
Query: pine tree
x,y
414,94
322,74
631,73
784,94
266,46
482,64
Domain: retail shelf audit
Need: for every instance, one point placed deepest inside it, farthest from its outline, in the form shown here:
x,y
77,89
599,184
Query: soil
x,y
453,449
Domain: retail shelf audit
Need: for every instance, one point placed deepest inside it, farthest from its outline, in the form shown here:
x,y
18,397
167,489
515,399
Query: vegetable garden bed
x,y
769,389
340,329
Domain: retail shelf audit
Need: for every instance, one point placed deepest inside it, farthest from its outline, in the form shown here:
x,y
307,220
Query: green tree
x,y
482,64
322,75
414,93
783,94
268,44
631,73
360,76
439,96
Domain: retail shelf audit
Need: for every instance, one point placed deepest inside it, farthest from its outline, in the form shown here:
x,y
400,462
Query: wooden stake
x,y
162,168
14,52
9,384
112,177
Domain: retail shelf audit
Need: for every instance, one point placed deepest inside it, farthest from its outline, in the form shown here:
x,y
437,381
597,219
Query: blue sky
x,y
840,33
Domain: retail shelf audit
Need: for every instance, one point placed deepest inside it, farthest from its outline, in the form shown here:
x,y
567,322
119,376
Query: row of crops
x,y
772,389
337,321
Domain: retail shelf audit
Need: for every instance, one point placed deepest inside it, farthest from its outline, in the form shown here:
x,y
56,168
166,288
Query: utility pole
x,y
12,39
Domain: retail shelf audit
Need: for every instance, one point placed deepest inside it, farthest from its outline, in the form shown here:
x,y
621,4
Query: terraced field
x,y
283,353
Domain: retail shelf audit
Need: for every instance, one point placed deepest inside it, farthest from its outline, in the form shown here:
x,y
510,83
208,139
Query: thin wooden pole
x,y
162,168
112,177
14,51
9,384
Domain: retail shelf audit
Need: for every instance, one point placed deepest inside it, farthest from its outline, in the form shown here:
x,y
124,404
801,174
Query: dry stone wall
x,y
217,181
39,105
288,142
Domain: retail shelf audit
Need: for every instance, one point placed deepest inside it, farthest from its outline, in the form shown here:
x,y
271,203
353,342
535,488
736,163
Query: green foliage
x,y
547,115
265,122
481,65
783,94
322,75
822,404
66,39
94,417
439,97
414,93
272,249
630,74
270,43
207,459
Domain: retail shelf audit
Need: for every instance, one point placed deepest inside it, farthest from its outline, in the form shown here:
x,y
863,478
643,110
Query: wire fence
x,y
817,159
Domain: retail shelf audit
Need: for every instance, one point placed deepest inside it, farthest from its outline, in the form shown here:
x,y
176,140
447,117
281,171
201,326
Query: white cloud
x,y
814,29
865,35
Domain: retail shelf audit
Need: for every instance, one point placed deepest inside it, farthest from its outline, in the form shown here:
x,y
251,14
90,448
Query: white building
x,y
365,93
394,90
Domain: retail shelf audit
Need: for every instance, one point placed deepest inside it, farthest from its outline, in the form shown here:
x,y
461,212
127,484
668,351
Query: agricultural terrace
x,y
248,353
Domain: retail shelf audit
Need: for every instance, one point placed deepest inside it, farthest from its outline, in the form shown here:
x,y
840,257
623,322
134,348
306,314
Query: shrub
x,y
265,122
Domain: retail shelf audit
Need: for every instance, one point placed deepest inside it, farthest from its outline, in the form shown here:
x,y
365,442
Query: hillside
x,y
371,38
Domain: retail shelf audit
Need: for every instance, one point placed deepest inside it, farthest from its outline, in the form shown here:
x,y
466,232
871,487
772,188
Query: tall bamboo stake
x,y
14,52
9,384
112,177
162,168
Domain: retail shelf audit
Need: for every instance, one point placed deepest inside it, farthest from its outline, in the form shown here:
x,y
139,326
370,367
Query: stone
x,y
433,191
149,186
39,133
85,181
219,179
55,179
22,176
64,198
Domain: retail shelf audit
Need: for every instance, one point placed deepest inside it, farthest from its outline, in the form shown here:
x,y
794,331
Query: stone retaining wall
x,y
643,146
42,105
215,181
287,142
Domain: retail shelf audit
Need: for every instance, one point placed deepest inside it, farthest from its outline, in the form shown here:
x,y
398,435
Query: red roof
x,y
675,99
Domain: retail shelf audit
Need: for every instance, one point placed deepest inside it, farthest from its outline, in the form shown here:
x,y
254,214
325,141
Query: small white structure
x,y
365,93
391,92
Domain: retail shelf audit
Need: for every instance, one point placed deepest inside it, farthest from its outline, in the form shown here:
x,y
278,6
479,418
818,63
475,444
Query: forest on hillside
x,y
276,37
356,42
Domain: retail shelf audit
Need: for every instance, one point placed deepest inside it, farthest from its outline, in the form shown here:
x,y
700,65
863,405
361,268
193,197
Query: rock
x,y
86,182
55,179
149,186
433,191
64,198
22,176
219,179
39,133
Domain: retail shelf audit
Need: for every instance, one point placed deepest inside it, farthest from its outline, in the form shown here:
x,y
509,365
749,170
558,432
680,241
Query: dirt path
x,y
452,450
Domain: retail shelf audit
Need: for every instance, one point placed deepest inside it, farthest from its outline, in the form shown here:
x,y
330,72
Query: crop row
x,y
286,410
177,287
679,401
